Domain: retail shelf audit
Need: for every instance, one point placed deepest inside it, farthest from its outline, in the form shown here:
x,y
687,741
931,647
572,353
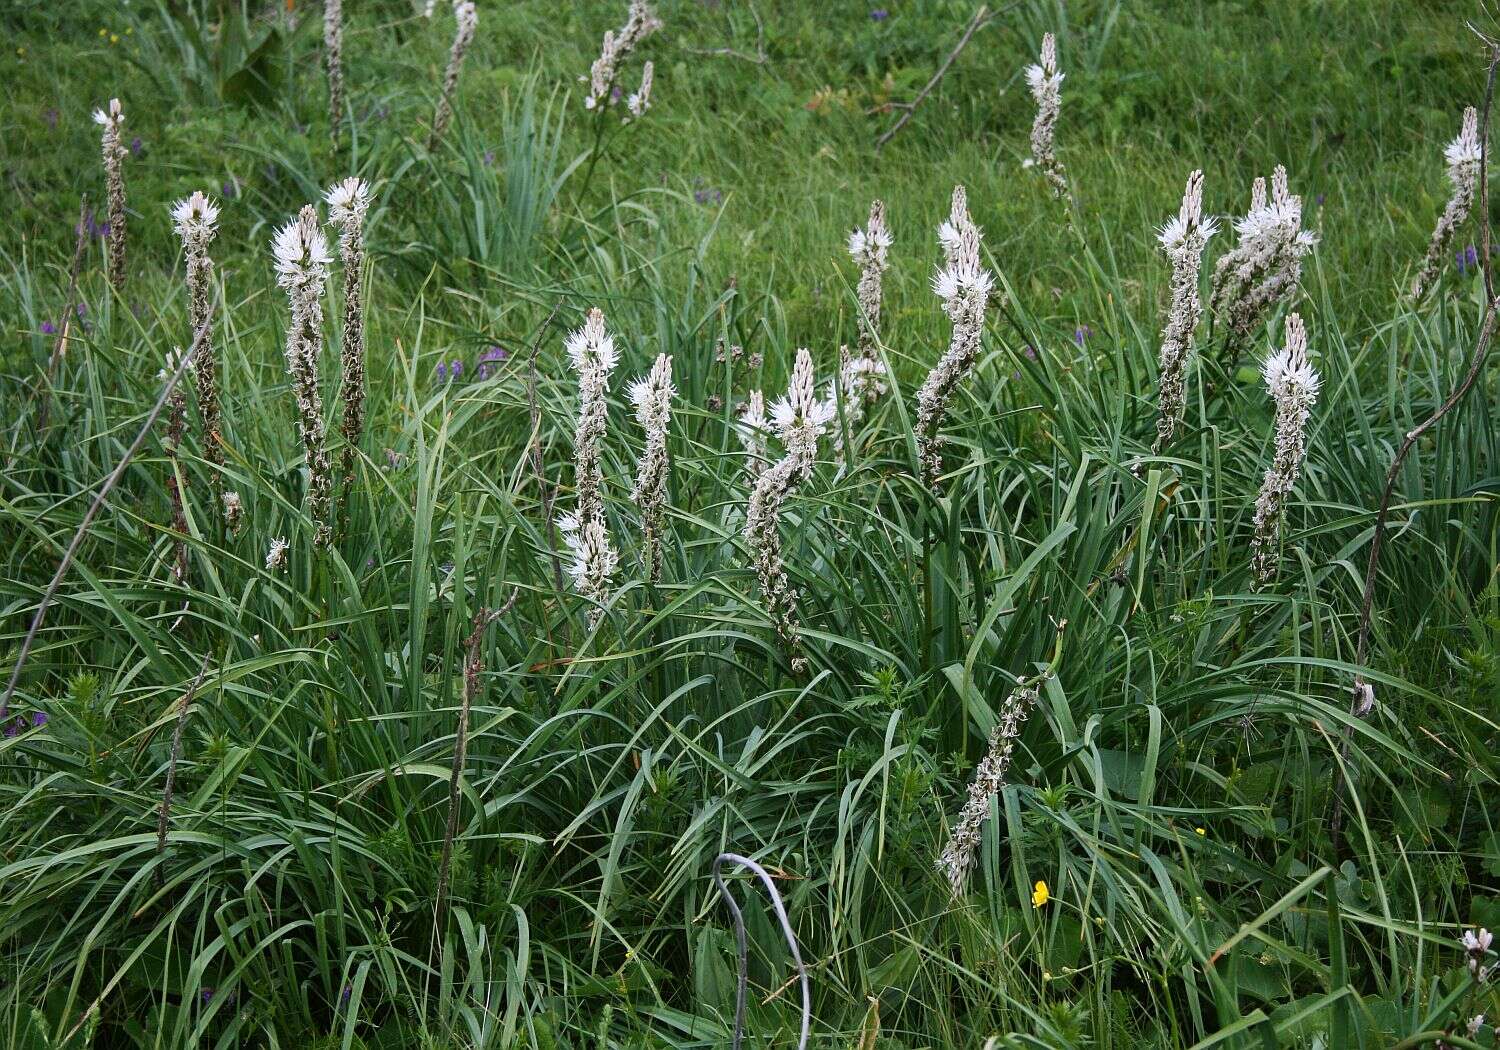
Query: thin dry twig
x,y
1476,367
982,18
472,668
88,518
164,817
759,58
44,394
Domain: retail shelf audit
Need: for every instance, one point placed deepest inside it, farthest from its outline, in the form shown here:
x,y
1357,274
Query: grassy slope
x,y
606,771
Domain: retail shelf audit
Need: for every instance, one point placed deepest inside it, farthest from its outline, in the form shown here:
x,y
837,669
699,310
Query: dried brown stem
x,y
59,348
473,666
982,18
164,816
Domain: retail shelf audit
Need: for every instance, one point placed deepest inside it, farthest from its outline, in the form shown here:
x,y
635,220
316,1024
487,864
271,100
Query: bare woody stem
x,y
59,348
473,666
1377,541
982,18
164,816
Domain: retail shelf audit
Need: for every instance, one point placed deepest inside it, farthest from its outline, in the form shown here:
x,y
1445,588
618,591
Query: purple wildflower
x,y
442,372
50,116
455,368
1081,333
229,190
346,993
708,196
206,996
615,93
81,309
136,145
92,226
12,729
38,718
489,158
1320,198
880,14
493,356
1030,354
48,328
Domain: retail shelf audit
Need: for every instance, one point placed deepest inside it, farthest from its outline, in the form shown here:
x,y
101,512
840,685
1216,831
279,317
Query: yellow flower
x,y
1200,831
104,32
1040,896
114,38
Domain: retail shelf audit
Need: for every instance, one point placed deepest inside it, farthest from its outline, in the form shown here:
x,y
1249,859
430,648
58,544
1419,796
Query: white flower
x,y
276,556
348,201
640,100
195,215
114,118
301,253
1464,149
592,344
800,416
1477,942
173,358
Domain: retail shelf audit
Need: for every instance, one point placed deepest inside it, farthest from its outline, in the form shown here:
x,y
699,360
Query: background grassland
x,y
294,903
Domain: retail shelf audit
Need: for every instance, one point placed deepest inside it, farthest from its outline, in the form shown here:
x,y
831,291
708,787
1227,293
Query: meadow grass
x,y
327,880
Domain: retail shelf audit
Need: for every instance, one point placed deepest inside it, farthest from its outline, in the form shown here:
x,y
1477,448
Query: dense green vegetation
x,y
1172,787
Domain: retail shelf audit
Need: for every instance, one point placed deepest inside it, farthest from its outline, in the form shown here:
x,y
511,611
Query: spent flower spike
x,y
301,260
1183,238
195,219
964,286
1293,385
1462,155
652,397
1045,82
112,121
640,22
